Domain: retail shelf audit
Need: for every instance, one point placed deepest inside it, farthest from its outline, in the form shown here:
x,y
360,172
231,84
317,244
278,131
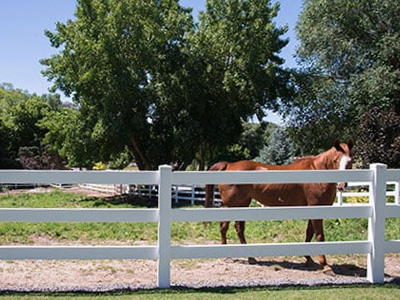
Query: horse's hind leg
x,y
319,234
309,236
240,226
223,227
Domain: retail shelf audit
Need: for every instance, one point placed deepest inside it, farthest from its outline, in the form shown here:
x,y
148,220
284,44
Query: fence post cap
x,y
164,167
377,165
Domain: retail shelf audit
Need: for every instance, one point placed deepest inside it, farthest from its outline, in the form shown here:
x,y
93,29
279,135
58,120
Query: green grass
x,y
287,293
24,233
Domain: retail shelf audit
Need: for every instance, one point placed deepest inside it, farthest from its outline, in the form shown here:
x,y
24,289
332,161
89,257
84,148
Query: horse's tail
x,y
219,166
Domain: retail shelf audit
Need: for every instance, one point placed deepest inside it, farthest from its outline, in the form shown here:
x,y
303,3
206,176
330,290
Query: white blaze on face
x,y
344,161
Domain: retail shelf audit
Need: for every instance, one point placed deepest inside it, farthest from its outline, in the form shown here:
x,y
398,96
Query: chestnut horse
x,y
304,194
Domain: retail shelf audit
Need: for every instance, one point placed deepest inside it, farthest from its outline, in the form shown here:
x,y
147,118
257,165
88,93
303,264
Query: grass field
x,y
382,292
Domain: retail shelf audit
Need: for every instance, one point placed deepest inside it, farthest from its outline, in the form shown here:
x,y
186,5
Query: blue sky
x,y
23,44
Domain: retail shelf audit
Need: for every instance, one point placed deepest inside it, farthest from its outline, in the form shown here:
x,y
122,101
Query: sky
x,y
23,43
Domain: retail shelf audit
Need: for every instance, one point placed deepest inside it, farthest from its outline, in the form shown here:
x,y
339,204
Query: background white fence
x,y
195,193
376,211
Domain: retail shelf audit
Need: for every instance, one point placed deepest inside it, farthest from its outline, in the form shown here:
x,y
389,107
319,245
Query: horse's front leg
x,y
319,234
240,226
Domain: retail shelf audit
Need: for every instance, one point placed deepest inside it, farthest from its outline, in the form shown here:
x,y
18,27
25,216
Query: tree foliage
x,y
7,161
280,150
147,78
71,137
379,138
39,158
350,54
20,115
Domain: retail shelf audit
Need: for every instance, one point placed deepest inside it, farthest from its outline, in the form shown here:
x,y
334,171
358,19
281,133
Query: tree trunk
x,y
140,157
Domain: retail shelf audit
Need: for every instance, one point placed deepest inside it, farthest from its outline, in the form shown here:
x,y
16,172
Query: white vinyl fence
x,y
395,192
376,211
195,193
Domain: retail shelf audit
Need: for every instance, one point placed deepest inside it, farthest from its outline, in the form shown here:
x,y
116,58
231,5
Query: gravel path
x,y
124,275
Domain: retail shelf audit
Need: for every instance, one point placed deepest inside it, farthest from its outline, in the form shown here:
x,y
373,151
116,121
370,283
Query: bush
x,y
37,158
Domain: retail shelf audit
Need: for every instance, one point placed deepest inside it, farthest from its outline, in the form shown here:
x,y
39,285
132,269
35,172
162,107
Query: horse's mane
x,y
300,159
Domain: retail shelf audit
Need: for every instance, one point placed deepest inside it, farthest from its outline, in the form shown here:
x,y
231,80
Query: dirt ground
x,y
70,275
44,275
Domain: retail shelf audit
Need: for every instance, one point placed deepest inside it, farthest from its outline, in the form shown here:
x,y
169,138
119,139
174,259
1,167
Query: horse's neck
x,y
324,160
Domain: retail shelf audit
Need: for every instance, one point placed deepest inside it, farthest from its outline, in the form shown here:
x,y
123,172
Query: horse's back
x,y
305,163
247,165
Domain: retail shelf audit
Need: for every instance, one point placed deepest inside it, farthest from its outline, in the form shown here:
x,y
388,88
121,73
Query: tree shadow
x,y
125,199
131,200
338,269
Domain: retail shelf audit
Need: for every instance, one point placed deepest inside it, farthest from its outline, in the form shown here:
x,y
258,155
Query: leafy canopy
x,y
350,57
147,78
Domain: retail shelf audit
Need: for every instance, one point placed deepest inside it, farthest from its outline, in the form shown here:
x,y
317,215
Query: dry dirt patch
x,y
45,275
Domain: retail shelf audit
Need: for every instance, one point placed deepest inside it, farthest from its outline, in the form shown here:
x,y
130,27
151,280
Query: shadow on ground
x,y
338,269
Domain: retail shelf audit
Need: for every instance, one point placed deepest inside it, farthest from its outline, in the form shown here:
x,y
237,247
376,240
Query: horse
x,y
340,157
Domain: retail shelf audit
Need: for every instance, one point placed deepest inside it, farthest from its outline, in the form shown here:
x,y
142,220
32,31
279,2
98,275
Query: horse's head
x,y
343,158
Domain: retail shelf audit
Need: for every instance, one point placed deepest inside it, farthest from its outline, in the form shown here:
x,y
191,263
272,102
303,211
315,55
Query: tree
x,y
107,63
255,136
23,119
39,158
237,43
350,56
20,115
280,149
7,161
72,137
379,138
151,80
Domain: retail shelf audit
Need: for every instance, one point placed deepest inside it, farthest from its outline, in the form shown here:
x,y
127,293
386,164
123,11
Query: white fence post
x,y
176,194
164,226
376,225
339,195
192,196
397,193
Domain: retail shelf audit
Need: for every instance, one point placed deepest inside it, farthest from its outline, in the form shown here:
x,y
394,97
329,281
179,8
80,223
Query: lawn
x,y
381,292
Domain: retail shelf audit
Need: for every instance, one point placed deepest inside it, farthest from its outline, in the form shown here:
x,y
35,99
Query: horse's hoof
x,y
310,264
252,261
328,271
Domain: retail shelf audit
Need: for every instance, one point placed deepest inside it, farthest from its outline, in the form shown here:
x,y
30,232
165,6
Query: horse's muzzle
x,y
341,186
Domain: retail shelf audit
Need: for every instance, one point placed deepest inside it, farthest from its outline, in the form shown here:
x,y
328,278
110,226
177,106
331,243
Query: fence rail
x,y
376,211
196,193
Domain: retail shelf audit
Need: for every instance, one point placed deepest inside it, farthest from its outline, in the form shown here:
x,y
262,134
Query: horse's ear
x,y
336,144
350,144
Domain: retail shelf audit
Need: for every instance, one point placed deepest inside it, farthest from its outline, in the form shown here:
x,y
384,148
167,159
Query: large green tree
x,y
20,115
150,79
350,57
236,47
107,60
